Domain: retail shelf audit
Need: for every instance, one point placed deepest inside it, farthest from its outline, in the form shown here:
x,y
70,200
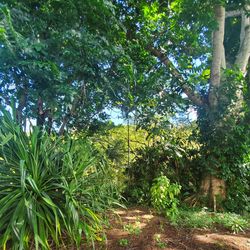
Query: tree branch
x,y
223,59
71,112
244,50
193,96
233,13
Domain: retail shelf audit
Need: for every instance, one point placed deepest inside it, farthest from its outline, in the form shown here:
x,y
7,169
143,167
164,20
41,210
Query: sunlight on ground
x,y
119,233
138,211
141,225
131,218
148,216
233,241
120,212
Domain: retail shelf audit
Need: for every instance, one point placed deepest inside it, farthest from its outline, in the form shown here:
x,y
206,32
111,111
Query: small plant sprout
x,y
133,228
123,242
159,242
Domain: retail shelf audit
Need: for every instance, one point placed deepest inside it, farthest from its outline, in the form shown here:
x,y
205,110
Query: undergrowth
x,y
52,189
203,219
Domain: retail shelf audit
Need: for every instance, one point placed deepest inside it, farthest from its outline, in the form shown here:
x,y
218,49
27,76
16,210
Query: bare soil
x,y
141,229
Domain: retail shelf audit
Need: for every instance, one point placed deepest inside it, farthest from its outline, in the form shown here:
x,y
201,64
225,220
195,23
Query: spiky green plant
x,y
43,185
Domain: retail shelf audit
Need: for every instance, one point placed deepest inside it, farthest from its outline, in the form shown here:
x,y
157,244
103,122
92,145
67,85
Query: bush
x,y
112,144
150,162
238,190
49,189
164,196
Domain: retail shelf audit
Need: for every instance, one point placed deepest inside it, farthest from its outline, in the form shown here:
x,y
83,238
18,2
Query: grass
x,y
208,220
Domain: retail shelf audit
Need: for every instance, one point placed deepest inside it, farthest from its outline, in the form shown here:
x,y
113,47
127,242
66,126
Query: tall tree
x,y
54,59
202,50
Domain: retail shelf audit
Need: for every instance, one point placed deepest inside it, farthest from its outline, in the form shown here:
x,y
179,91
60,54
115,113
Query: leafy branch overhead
x,y
48,50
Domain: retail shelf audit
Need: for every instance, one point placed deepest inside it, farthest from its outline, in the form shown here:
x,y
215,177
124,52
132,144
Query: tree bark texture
x,y
214,189
217,55
244,51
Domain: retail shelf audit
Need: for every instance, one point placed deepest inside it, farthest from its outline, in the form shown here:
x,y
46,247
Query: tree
x,y
54,60
201,49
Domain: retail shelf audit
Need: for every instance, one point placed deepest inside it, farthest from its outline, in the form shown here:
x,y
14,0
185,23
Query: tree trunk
x,y
218,56
214,190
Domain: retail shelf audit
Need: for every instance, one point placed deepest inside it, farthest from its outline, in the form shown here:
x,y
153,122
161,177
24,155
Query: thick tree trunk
x,y
214,190
212,187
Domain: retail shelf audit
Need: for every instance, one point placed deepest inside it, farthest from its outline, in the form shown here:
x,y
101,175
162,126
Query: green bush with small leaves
x,y
234,222
164,196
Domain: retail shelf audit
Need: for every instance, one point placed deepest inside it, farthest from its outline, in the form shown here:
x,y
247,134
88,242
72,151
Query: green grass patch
x,y
208,220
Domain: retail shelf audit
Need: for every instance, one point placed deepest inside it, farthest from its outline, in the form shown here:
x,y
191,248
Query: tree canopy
x,y
54,59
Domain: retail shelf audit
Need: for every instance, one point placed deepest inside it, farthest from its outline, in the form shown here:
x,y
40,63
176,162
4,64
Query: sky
x,y
116,115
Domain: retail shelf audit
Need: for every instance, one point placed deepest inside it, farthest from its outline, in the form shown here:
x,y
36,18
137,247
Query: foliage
x,y
233,222
170,44
133,228
159,242
123,242
204,219
224,139
194,219
150,161
50,188
112,144
238,199
169,151
65,61
55,57
141,174
164,196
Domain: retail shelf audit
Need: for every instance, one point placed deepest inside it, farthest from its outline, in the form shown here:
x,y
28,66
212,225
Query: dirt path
x,y
140,229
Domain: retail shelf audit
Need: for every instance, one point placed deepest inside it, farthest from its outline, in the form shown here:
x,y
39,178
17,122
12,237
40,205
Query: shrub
x,y
164,196
49,189
238,189
151,161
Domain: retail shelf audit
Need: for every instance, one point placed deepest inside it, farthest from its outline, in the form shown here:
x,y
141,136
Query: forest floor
x,y
141,229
